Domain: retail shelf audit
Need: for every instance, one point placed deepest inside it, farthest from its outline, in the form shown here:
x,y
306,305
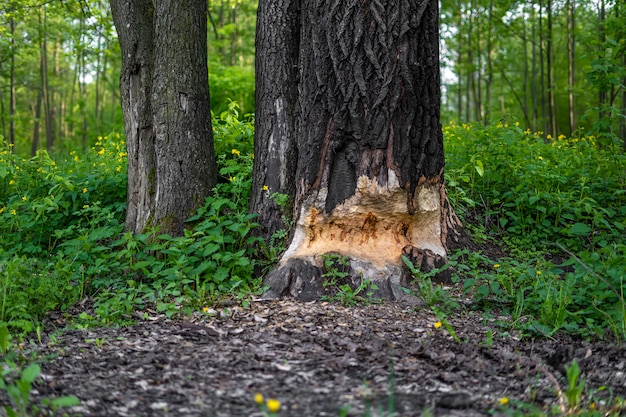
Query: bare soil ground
x,y
316,358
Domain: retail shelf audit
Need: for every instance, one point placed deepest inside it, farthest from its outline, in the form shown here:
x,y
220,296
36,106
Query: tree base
x,y
308,279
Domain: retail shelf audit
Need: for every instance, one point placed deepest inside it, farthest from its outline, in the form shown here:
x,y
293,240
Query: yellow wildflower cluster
x,y
273,405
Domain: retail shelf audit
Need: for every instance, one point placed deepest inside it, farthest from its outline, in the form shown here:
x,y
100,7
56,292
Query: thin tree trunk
x,y
533,78
571,64
542,71
550,74
2,117
489,80
97,81
36,129
478,102
460,64
45,87
233,37
602,37
525,77
470,64
12,101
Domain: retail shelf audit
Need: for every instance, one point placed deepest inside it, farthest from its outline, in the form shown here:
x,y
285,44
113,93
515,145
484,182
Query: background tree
x,y
165,99
370,147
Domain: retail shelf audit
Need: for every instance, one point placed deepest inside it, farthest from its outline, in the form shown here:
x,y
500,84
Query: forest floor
x,y
317,358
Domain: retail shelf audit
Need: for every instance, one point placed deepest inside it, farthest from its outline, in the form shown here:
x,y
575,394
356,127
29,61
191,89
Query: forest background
x,y
535,131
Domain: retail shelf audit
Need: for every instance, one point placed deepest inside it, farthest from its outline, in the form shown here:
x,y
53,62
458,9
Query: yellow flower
x,y
272,405
549,137
11,145
205,309
24,198
266,188
84,190
504,400
540,158
99,137
496,266
258,398
235,152
13,212
11,182
76,158
101,151
232,178
86,206
538,272
2,210
117,135
119,168
437,324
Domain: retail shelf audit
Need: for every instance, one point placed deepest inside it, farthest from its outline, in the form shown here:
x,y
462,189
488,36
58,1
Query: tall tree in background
x,y
571,62
370,147
165,100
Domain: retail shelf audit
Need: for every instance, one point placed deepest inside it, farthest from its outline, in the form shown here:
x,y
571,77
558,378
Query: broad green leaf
x,y
579,229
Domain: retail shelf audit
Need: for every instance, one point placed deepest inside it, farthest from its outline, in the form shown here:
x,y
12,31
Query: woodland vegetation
x,y
534,123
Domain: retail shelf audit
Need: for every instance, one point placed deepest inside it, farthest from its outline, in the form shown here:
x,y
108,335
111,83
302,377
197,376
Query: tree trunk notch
x,y
370,145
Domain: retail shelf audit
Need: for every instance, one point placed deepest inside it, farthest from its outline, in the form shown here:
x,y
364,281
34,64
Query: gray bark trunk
x,y
165,100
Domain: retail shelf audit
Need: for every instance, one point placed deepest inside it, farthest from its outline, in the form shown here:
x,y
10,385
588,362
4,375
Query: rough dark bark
x,y
370,146
135,31
165,100
275,153
185,163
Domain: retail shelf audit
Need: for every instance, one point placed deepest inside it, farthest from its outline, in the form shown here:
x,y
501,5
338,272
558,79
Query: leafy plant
x,y
19,392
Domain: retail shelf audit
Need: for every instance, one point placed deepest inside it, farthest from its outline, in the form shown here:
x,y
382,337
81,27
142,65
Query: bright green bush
x,y
560,195
61,235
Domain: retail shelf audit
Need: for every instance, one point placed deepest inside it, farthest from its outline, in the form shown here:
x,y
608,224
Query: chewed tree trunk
x,y
370,168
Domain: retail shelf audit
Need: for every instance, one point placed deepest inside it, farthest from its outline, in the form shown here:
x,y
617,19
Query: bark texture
x,y
185,163
370,146
276,99
135,30
165,100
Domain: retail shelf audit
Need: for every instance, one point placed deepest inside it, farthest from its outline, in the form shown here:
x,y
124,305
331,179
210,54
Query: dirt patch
x,y
316,358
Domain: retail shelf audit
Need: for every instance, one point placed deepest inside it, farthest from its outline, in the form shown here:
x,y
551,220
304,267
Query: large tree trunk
x,y
276,100
370,146
165,100
186,170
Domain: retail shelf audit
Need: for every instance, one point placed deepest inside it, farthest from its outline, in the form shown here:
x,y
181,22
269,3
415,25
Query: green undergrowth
x,y
556,208
62,238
